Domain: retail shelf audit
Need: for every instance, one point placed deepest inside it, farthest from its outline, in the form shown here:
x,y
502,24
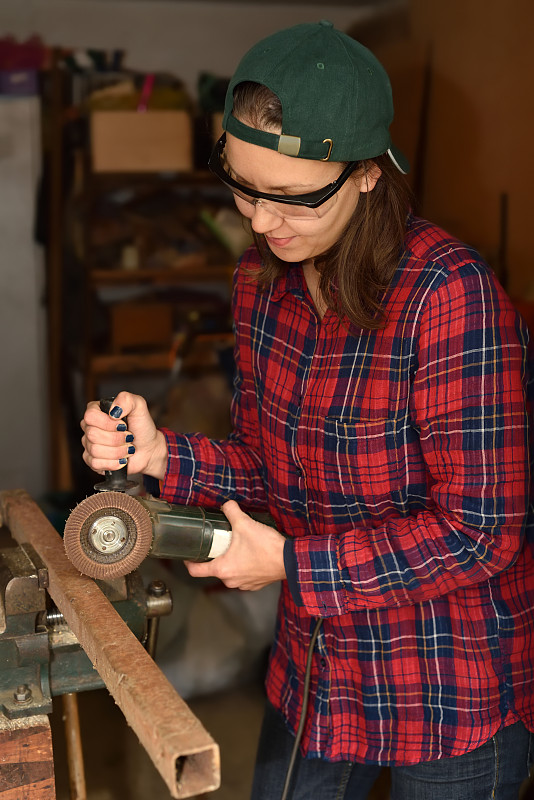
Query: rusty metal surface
x,y
185,755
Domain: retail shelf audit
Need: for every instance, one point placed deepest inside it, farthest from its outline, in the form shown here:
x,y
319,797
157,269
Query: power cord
x,y
302,720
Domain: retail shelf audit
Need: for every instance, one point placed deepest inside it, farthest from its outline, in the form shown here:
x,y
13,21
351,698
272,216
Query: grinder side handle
x,y
114,480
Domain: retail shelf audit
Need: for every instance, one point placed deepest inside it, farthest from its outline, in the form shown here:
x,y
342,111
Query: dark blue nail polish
x,y
123,460
121,426
116,411
130,437
131,450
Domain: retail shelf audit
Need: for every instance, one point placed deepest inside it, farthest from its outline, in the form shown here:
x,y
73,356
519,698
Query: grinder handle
x,y
114,480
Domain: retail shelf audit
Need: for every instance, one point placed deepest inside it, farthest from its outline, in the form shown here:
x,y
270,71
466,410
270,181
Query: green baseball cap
x,y
335,95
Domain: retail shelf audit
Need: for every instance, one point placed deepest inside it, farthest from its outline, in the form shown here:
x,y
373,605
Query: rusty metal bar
x,y
183,752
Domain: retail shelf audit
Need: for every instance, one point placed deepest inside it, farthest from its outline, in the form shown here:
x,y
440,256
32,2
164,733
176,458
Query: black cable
x,y
302,720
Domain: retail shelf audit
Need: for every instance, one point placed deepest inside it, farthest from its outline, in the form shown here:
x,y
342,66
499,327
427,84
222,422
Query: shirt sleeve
x,y
469,404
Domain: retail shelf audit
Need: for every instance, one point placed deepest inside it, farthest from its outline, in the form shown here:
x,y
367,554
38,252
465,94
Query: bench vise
x,y
39,655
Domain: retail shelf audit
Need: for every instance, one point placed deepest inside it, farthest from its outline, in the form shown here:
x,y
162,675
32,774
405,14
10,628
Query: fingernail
x,y
130,437
121,426
131,450
116,411
123,460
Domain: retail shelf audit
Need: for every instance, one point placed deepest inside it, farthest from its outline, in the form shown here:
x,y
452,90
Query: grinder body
x,y
192,533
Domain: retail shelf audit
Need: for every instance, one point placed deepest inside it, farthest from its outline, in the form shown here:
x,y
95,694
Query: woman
x,y
380,416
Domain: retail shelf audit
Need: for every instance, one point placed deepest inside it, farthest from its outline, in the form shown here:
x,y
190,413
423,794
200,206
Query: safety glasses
x,y
293,206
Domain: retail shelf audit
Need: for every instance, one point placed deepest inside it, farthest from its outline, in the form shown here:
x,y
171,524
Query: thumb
x,y
232,512
127,404
123,405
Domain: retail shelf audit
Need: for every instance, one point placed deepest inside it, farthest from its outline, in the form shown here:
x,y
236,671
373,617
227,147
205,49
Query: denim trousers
x,y
494,771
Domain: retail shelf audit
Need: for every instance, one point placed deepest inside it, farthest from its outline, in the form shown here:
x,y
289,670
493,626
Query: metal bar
x,y
183,752
71,720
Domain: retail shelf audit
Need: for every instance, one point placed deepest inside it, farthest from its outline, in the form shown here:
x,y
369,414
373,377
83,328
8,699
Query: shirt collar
x,y
291,282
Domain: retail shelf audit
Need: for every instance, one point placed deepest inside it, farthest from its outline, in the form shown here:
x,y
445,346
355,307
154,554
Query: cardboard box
x,y
133,141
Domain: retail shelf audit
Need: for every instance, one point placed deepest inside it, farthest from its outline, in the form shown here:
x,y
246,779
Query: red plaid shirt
x,y
397,461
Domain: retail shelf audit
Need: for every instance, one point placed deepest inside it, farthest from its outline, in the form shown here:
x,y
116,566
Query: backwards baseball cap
x,y
335,95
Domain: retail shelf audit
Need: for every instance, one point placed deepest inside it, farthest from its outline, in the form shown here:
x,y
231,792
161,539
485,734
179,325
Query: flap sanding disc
x,y
108,535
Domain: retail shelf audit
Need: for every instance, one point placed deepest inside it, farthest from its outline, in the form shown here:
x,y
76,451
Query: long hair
x,y
357,270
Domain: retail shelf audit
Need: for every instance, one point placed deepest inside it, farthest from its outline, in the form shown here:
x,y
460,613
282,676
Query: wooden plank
x,y
185,755
26,759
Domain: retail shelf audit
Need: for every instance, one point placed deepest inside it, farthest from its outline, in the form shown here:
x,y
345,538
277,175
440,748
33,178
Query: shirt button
x,y
323,663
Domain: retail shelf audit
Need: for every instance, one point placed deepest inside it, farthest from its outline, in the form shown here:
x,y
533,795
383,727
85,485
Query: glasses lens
x,y
247,205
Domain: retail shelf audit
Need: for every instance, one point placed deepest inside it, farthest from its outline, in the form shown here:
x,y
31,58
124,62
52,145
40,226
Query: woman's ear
x,y
370,177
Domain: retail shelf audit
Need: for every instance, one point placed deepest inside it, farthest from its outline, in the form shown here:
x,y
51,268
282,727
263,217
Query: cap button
x,y
326,23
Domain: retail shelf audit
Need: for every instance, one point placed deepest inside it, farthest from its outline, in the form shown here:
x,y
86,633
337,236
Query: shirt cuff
x,y
290,564
176,484
152,485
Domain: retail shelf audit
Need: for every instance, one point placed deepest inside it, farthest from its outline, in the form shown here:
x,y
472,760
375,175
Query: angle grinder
x,y
110,533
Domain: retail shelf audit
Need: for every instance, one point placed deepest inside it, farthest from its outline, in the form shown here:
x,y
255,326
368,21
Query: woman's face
x,y
275,173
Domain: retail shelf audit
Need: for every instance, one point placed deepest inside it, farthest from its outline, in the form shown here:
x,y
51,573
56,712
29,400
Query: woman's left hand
x,y
254,559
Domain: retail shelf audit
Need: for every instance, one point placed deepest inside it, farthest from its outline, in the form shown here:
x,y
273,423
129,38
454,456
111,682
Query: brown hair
x,y
357,270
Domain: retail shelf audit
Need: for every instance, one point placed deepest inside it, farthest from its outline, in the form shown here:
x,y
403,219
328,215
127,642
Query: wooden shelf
x,y
131,362
160,225
194,270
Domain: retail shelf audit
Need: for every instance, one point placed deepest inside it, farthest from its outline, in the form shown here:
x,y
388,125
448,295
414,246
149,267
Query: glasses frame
x,y
310,200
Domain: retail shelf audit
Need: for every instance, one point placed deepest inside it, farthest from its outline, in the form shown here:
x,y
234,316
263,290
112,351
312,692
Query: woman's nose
x,y
264,220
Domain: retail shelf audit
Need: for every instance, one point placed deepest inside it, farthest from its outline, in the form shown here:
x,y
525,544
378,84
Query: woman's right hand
x,y
126,435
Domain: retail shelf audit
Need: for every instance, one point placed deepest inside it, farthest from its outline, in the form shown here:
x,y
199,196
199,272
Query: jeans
x,y
494,771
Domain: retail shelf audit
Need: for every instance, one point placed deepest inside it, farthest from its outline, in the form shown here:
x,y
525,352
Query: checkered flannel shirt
x,y
397,463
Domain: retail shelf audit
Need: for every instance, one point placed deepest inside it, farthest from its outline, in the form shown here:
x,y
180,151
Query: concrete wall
x,y
23,388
